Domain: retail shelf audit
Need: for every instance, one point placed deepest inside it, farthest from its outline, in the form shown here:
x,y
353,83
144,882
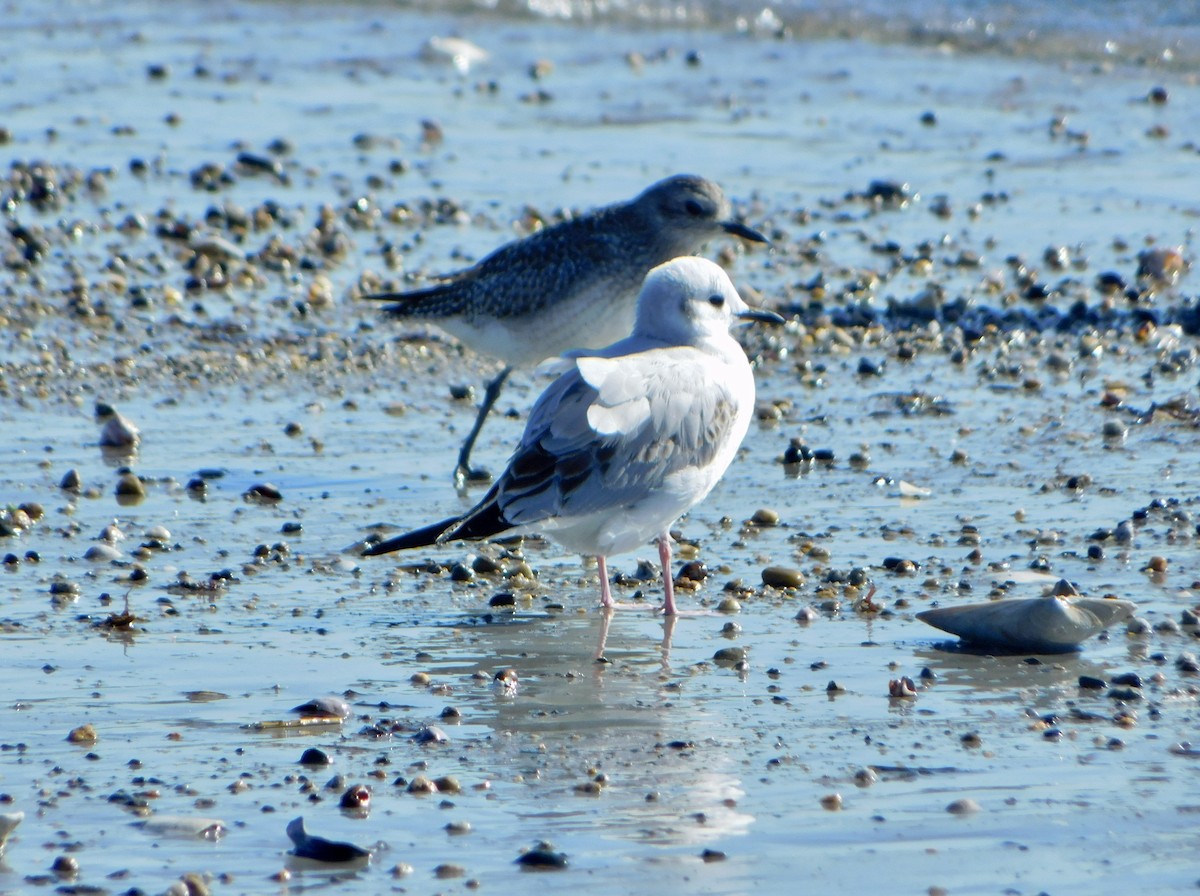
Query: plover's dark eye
x,y
694,208
716,300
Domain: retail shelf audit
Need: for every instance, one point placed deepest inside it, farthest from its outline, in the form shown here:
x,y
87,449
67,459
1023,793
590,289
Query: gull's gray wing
x,y
610,430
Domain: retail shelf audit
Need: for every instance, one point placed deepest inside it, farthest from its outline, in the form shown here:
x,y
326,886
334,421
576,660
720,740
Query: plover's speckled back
x,y
572,285
628,437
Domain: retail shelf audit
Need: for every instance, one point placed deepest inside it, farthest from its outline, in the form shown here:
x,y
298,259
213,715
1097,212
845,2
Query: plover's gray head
x,y
694,206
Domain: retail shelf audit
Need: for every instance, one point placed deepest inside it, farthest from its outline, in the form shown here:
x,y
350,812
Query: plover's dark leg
x,y
463,472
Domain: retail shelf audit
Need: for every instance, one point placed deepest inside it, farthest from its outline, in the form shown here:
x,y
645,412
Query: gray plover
x,y
629,437
572,285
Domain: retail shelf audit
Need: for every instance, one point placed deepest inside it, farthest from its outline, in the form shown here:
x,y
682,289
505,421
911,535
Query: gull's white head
x,y
689,300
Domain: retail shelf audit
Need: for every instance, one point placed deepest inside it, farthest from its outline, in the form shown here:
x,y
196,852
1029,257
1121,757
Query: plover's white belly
x,y
592,319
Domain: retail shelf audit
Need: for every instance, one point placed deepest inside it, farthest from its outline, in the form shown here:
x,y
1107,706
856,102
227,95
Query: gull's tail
x,y
484,520
417,538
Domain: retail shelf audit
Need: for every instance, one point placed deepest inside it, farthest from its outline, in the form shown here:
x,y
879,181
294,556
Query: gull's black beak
x,y
737,228
760,315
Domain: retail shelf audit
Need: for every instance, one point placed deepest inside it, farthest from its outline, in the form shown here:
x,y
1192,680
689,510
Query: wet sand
x,y
937,333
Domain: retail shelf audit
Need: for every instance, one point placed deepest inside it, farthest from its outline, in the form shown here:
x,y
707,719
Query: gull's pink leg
x,y
664,557
606,600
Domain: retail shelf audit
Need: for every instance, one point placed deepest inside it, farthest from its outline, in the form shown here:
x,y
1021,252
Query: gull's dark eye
x,y
694,208
716,300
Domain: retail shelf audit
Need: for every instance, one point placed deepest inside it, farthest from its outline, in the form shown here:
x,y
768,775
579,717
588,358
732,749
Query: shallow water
x,y
213,377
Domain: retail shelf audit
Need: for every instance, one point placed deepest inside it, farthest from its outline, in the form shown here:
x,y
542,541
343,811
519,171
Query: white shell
x,y
1037,624
119,432
8,822
184,826
456,51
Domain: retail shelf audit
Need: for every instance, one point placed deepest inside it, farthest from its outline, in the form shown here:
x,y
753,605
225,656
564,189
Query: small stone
x,y
765,517
831,802
542,857
447,784
728,656
782,577
431,734
102,553
1137,626
421,784
84,734
965,806
263,493
65,866
130,486
313,756
356,798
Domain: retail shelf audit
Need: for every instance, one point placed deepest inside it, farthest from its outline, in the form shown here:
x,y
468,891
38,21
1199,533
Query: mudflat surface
x,y
985,262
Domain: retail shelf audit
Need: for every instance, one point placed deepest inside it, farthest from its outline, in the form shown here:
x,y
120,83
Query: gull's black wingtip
x,y
417,538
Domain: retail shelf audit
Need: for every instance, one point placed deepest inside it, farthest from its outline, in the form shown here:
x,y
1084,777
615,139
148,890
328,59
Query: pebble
x,y
356,798
84,734
102,553
782,577
543,856
65,866
831,802
1137,626
964,806
728,656
421,784
431,734
263,493
130,486
447,784
765,517
313,756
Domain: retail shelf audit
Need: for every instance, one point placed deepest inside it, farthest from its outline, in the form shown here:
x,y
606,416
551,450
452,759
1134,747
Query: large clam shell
x,y
8,823
310,847
1050,624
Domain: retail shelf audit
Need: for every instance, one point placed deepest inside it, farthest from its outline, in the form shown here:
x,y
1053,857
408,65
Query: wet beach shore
x,y
987,384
